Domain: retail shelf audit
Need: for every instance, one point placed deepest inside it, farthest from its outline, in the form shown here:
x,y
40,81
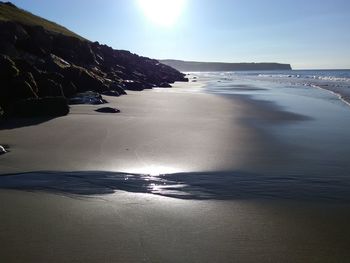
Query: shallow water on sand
x,y
319,144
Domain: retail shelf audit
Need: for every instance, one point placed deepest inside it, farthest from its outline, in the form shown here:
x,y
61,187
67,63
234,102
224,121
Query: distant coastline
x,y
195,66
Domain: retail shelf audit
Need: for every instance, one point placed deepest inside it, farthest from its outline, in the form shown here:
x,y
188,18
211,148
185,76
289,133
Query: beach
x,y
186,174
124,227
165,131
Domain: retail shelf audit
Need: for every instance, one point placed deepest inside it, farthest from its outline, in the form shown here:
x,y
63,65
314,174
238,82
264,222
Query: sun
x,y
162,12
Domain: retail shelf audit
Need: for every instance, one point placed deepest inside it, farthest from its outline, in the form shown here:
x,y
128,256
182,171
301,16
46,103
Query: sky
x,y
308,34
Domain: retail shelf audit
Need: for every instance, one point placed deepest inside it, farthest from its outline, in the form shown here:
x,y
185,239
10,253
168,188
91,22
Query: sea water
x,y
335,81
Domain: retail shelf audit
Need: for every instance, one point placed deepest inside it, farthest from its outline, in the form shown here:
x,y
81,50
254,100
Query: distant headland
x,y
220,66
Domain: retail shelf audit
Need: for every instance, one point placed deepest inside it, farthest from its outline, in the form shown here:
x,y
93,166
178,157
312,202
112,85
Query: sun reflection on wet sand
x,y
153,170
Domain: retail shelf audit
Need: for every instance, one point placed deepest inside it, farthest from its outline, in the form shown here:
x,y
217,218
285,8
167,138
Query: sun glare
x,y
154,170
162,12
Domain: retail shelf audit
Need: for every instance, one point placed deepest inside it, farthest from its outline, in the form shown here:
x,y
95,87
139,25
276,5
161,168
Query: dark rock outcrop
x,y
36,62
108,110
164,85
88,97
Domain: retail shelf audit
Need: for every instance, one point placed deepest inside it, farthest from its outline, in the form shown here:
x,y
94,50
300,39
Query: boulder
x,y
88,97
113,93
118,87
133,85
108,110
2,150
164,85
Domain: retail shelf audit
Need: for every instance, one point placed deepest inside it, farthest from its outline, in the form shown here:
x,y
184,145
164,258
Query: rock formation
x,y
40,59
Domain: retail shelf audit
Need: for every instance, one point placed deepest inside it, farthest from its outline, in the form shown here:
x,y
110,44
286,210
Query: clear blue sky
x,y
305,33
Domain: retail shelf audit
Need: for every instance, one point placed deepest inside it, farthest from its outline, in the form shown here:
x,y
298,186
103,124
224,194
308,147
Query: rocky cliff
x,y
40,59
187,66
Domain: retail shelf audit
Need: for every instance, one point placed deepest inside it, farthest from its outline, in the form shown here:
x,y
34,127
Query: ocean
x,y
335,81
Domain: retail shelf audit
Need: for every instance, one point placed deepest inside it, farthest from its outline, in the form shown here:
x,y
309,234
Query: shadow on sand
x,y
199,186
14,123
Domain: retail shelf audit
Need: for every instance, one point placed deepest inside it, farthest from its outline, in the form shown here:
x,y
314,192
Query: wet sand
x,y
81,210
124,227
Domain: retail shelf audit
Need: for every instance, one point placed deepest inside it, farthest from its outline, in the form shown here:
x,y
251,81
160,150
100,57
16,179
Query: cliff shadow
x,y
14,123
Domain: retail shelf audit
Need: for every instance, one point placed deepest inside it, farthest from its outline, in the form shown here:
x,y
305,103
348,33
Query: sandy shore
x,y
79,209
156,132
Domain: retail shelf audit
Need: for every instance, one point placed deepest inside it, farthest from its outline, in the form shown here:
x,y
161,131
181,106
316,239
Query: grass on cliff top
x,y
8,12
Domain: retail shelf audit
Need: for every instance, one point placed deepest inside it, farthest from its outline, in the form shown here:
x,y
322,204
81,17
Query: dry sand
x,y
161,131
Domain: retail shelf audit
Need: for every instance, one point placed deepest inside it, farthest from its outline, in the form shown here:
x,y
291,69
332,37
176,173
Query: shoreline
x,y
340,93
